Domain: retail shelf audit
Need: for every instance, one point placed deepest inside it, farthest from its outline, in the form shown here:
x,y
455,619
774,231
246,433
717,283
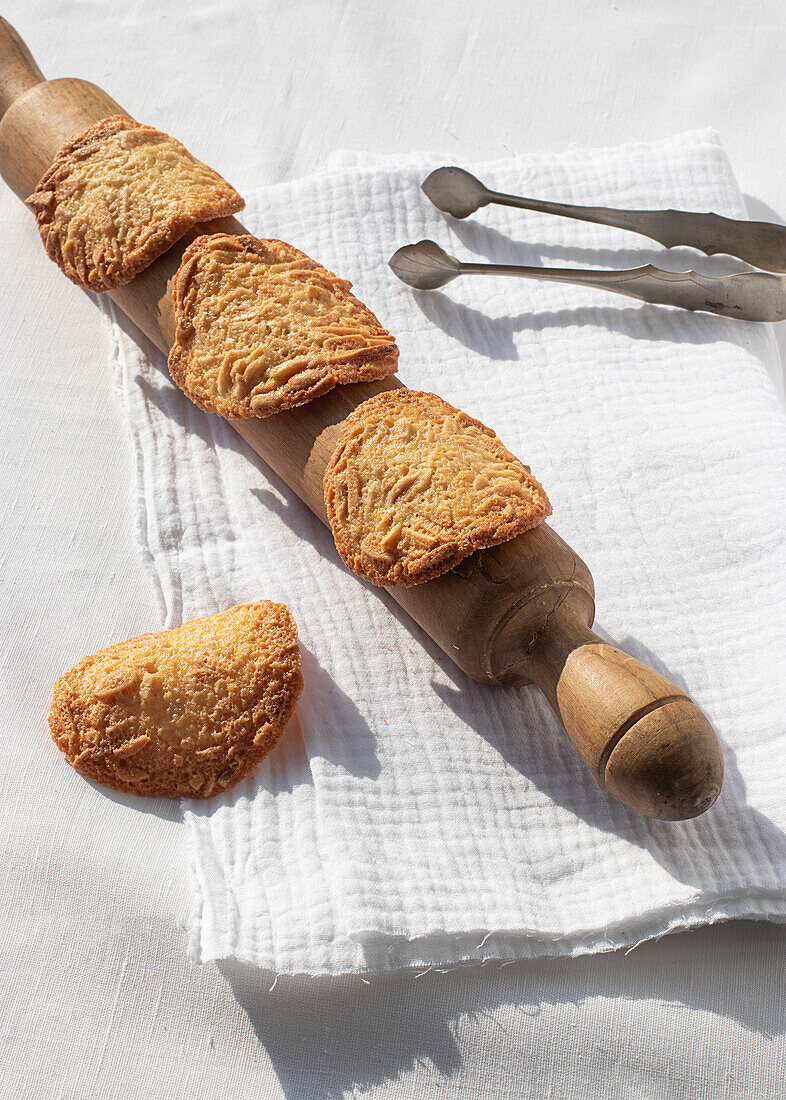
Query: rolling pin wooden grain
x,y
514,614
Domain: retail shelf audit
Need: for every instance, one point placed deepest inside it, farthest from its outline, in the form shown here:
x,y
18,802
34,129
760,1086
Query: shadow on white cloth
x,y
337,1037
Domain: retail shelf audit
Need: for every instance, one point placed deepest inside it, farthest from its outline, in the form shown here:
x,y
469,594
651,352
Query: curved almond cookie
x,y
415,485
184,713
118,196
260,328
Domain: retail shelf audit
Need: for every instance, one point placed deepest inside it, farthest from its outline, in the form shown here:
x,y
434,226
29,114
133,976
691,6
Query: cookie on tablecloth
x,y
184,713
415,485
118,196
261,327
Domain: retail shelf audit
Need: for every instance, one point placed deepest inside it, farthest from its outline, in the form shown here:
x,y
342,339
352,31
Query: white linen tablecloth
x,y
98,997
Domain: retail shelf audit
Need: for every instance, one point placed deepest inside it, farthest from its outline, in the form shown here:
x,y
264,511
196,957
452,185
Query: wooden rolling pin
x,y
514,614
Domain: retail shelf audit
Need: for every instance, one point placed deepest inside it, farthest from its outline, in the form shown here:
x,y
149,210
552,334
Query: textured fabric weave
x,y
412,816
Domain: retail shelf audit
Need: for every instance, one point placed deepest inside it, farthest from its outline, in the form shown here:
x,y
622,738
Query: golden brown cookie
x,y
415,485
260,328
118,196
184,713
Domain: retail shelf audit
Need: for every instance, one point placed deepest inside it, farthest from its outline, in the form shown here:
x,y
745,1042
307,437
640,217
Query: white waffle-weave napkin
x,y
411,816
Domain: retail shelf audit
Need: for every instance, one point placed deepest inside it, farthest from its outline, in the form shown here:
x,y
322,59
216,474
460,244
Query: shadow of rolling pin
x,y
514,614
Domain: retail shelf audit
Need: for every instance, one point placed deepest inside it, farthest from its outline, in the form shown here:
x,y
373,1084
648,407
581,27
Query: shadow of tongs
x,y
748,296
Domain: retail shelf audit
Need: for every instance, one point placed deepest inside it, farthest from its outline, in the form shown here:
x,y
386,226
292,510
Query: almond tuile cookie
x,y
261,327
184,713
117,196
414,485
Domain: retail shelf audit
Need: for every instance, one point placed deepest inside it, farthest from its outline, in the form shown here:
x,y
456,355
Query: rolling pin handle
x,y
18,70
642,738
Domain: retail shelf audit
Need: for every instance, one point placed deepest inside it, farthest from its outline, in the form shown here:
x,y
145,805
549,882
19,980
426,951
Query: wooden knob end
x,y
669,763
640,735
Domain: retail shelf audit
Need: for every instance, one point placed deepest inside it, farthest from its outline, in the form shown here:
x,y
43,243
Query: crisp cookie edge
x,y
62,722
368,366
441,559
155,248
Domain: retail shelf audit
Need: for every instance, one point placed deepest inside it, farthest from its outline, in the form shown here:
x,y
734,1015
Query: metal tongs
x,y
748,296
